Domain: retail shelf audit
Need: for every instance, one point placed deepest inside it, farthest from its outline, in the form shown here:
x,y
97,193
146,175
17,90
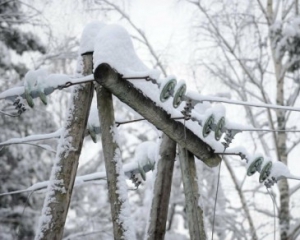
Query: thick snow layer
x,y
113,46
265,162
146,153
202,107
32,138
12,92
39,80
54,80
87,41
219,111
152,91
239,149
252,158
33,76
280,170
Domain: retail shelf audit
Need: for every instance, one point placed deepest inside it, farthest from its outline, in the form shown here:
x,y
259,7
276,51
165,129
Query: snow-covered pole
x,y
134,98
64,170
117,188
162,189
193,209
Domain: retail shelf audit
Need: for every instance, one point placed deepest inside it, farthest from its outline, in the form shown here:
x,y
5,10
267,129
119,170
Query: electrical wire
x,y
10,115
273,201
216,197
227,101
262,130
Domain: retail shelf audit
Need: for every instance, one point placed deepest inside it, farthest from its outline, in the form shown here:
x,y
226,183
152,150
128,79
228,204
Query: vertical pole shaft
x,y
193,210
57,201
117,188
162,189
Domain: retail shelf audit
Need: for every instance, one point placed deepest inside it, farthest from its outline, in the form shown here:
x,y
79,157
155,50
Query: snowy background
x,y
170,37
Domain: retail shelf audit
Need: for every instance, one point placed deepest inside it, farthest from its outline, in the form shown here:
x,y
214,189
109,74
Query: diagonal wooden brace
x,y
127,93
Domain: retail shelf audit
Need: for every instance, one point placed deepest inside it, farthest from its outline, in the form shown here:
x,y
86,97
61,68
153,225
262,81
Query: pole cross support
x,y
127,93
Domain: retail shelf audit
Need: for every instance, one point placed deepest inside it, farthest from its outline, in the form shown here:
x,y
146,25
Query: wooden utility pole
x,y
162,189
64,171
117,188
190,184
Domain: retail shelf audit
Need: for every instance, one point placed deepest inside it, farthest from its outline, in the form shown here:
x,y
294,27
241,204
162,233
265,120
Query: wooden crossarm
x,y
127,93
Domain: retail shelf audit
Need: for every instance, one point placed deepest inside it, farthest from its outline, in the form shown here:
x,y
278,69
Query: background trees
x,y
250,47
255,55
20,165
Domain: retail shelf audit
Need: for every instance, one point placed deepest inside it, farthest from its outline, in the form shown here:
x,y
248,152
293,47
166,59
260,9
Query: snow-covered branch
x,y
32,138
130,169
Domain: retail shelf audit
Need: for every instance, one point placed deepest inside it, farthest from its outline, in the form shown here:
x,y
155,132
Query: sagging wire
x,y
217,190
216,197
228,139
8,114
118,123
274,212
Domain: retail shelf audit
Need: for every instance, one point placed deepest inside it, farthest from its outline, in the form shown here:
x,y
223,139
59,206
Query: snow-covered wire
x,y
33,138
261,130
199,99
118,123
129,168
10,115
53,83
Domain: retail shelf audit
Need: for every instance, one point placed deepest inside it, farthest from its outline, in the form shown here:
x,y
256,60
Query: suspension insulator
x,y
219,128
180,91
265,171
207,127
254,166
167,89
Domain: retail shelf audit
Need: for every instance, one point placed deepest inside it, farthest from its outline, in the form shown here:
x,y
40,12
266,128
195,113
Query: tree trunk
x,y
162,189
117,187
192,195
63,174
284,212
